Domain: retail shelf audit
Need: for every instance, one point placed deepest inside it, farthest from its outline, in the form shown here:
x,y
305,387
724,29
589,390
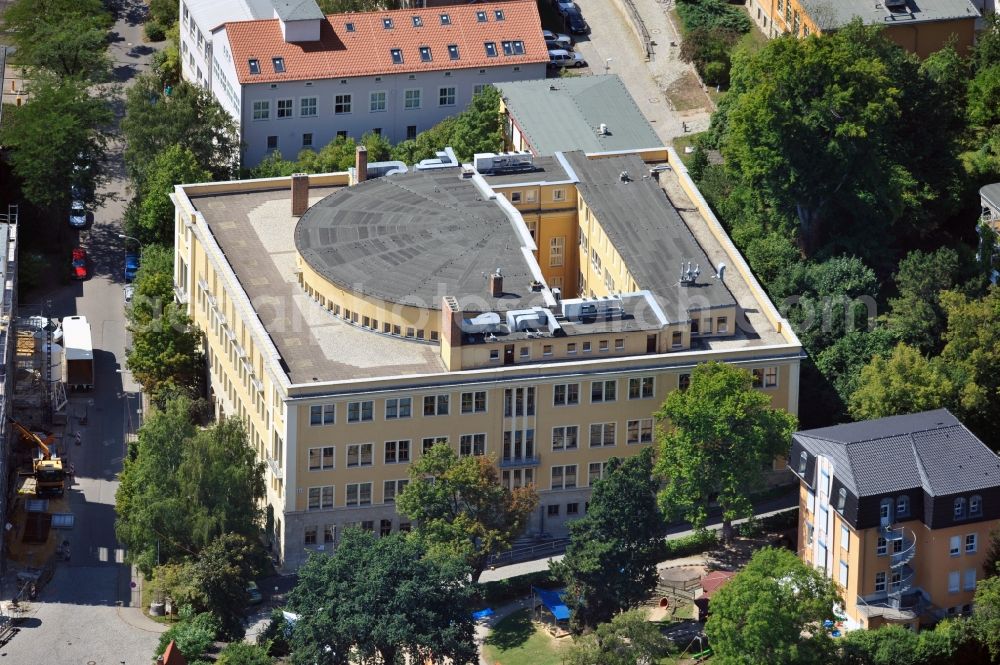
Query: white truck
x,y
78,353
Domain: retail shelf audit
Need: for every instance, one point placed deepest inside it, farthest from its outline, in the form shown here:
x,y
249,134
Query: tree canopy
x,y
382,596
174,165
772,612
714,439
630,638
66,38
465,511
610,562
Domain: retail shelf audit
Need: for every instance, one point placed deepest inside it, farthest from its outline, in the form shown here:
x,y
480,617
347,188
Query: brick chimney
x,y
361,164
300,194
496,284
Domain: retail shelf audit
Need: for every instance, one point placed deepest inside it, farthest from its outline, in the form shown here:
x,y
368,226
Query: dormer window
x,y
453,51
417,22
491,49
498,14
387,23
254,65
518,47
959,508
975,505
445,19
885,512
803,460
349,27
481,17
425,53
902,507
397,56
279,65
841,499
508,48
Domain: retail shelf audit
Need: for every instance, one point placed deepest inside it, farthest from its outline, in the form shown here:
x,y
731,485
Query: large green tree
x,y
220,574
630,638
64,37
189,116
465,511
904,382
772,612
60,123
165,356
986,615
715,437
174,165
610,562
383,597
916,315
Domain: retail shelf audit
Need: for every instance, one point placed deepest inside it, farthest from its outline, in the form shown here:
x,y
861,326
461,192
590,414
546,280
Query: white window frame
x,y
591,479
973,546
844,573
557,251
955,546
327,414
357,494
360,416
284,108
323,459
308,107
559,194
604,386
566,394
642,382
444,95
604,430
397,488
409,98
880,582
398,407
563,432
969,579
644,431
562,477
360,447
845,538
376,99
954,581
397,446
261,110
345,101
475,402
476,444
324,495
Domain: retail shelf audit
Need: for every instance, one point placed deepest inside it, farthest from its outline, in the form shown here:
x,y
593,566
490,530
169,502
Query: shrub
x,y
697,542
716,73
193,635
712,14
155,32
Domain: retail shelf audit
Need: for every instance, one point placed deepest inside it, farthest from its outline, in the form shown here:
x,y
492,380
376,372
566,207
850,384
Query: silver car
x,y
564,58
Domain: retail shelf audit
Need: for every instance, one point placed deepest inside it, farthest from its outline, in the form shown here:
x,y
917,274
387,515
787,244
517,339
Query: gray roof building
x,y
990,195
830,14
558,115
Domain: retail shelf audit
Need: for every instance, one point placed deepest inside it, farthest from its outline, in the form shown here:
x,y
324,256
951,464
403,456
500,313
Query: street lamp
x,y
136,240
607,65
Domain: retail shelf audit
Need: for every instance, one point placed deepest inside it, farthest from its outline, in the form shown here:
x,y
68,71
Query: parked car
x,y
563,41
566,6
254,596
79,264
131,266
564,58
77,214
576,24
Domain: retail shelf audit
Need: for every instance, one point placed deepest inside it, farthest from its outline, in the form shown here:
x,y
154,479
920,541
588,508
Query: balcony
x,y
275,468
511,462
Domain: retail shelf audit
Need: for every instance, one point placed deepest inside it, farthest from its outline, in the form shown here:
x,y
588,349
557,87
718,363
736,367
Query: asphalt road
x,y
89,612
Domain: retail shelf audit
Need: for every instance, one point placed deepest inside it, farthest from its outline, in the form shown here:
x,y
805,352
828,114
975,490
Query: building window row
x,y
343,104
970,543
353,317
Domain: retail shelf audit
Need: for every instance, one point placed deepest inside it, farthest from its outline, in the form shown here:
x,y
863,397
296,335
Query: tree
x,y
241,653
189,116
174,165
345,6
916,315
221,573
721,433
465,511
905,382
69,39
478,127
986,614
628,639
59,122
384,597
610,562
165,356
991,565
192,636
841,362
772,612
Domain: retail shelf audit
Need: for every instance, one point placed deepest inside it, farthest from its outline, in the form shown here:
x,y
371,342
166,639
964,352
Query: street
x,y
89,613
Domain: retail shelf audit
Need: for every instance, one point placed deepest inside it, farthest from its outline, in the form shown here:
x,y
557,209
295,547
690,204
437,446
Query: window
x,y
564,477
975,505
677,339
954,545
902,507
446,96
431,441
341,104
436,405
474,402
272,143
970,544
803,460
683,381
498,14
586,347
445,19
518,46
307,140
884,508
595,471
558,194
425,53
602,434
491,49
329,533
572,509
770,377
391,489
518,402
722,325
387,23
472,444
397,56
254,66
969,580
321,497
639,431
376,102
557,248
321,459
571,348
552,510
481,17
310,535
841,499
417,22
397,452
843,574
358,412
262,110
881,547
640,388
494,354
411,132
603,391
349,27
620,346
279,65
845,538
359,494
953,582
398,407
564,437
411,99
285,107
321,414
879,582
959,508
508,48
307,107
360,454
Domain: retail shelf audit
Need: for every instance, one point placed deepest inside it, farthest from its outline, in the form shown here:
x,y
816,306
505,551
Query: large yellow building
x,y
898,511
538,311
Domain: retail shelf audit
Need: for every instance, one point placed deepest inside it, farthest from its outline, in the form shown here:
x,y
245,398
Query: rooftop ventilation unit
x,y
527,319
484,323
507,162
603,308
689,275
602,130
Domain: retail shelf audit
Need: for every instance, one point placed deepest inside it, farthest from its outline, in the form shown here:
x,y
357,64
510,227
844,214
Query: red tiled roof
x,y
172,655
367,51
715,581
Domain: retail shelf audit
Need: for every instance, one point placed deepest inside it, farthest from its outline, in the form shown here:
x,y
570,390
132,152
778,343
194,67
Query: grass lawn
x,y
516,641
682,142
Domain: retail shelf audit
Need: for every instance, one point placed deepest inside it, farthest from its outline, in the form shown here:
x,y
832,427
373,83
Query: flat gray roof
x,y
415,237
836,13
547,169
563,114
648,233
991,195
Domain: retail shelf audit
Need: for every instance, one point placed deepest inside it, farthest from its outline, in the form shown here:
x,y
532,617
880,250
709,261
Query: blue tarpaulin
x,y
482,614
553,603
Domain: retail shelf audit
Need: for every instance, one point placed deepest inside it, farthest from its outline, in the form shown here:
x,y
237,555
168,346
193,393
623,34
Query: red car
x,y
79,263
